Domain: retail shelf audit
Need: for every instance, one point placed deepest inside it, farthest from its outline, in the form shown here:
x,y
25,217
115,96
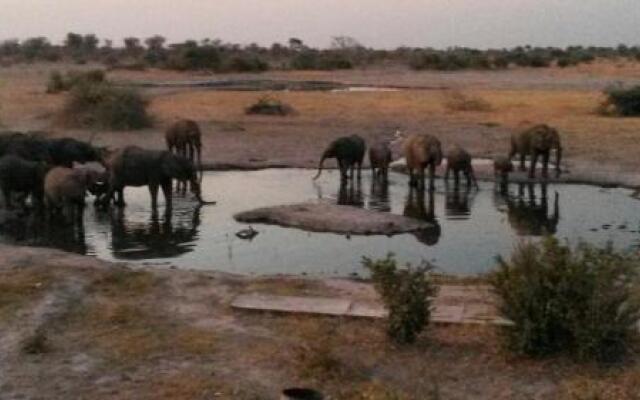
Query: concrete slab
x,y
462,313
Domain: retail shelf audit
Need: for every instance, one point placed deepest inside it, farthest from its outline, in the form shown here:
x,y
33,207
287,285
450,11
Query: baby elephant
x,y
502,166
349,152
22,176
380,157
459,160
65,189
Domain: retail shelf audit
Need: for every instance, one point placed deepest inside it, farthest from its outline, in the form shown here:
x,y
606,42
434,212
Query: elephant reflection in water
x,y
159,238
350,193
37,231
415,207
458,201
379,196
530,216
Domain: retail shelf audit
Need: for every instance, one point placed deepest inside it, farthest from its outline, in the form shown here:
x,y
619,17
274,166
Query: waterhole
x,y
470,228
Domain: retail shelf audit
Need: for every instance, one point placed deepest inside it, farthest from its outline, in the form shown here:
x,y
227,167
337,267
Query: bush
x,y
407,295
625,102
105,106
458,101
59,83
269,106
580,301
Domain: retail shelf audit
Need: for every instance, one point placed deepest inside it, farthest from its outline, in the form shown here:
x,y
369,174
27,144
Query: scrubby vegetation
x,y
61,83
458,101
101,104
581,301
406,293
344,53
622,102
269,106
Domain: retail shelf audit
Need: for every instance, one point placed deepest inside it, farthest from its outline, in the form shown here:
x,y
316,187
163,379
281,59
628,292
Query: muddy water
x,y
470,227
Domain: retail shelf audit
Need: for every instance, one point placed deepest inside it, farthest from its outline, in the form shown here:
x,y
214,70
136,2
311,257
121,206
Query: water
x,y
472,227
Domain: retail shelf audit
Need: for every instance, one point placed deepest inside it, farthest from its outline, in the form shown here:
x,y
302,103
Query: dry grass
x,y
459,101
21,286
603,385
124,282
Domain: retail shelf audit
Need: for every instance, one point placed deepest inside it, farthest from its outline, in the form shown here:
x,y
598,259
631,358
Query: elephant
x,y
415,207
530,217
57,151
22,176
380,157
65,151
502,166
421,151
459,160
537,141
349,151
65,189
134,166
184,138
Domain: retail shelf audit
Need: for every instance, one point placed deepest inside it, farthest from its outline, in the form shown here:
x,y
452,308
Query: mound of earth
x,y
323,217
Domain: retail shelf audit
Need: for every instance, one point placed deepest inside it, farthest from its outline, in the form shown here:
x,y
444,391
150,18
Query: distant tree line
x,y
344,53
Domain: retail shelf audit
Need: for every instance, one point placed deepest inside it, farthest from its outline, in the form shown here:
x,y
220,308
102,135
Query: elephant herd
x,y
52,173
424,152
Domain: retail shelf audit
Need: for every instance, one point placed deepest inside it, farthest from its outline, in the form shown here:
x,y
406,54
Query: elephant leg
x,y
432,175
153,191
545,164
166,191
343,169
6,194
446,173
532,167
120,197
412,178
456,178
522,159
359,170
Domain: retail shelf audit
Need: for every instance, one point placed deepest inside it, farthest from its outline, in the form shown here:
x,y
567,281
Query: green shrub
x,y
625,102
581,301
406,294
106,106
269,106
59,83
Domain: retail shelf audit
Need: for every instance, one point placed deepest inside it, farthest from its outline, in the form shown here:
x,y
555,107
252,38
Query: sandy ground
x,y
76,327
562,98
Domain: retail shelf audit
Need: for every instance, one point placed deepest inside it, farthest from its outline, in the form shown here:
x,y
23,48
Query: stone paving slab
x,y
465,313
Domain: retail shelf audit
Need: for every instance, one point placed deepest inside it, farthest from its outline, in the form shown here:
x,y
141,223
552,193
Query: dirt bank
x,y
76,327
322,217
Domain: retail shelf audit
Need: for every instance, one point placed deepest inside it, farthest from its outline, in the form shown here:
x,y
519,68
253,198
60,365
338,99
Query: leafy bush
x,y
269,106
580,301
624,102
246,64
458,101
106,106
59,83
407,295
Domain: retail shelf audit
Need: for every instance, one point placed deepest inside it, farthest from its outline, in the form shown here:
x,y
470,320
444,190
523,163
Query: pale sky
x,y
375,23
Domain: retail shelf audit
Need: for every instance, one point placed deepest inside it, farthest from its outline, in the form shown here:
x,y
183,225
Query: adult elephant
x,y
184,138
134,166
65,151
459,160
18,175
537,141
349,152
421,152
34,146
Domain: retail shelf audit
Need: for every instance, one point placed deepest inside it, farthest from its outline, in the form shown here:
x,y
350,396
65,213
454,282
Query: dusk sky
x,y
375,23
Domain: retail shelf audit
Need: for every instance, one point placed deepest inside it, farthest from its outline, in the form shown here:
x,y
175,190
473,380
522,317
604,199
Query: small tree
x,y
407,295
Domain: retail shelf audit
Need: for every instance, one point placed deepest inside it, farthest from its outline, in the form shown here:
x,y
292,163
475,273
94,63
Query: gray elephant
x,y
184,138
35,146
134,166
421,151
349,151
380,157
537,141
65,189
459,160
18,175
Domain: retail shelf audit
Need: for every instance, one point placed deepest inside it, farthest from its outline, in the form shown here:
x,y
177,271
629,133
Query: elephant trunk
x,y
558,159
324,156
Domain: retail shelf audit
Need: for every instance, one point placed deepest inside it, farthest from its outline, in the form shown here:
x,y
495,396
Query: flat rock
x,y
323,217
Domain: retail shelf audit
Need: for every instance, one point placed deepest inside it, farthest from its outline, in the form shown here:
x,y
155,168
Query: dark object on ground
x,y
269,106
349,152
301,394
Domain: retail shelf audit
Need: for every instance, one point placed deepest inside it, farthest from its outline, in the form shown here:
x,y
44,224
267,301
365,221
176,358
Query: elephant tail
x,y
319,168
